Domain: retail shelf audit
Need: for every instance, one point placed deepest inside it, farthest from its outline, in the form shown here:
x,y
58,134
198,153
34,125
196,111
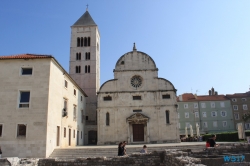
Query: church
x,y
136,106
50,108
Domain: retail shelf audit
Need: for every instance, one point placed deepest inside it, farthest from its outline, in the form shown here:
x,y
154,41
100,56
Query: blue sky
x,y
195,44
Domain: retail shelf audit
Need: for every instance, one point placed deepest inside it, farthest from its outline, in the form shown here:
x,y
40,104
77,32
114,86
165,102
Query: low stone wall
x,y
136,159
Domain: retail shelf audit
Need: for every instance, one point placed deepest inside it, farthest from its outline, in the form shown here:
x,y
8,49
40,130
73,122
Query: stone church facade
x,y
137,106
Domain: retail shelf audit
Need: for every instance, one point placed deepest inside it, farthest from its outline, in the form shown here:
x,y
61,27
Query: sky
x,y
195,44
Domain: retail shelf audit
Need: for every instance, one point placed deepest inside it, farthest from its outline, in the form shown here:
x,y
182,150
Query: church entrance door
x,y
92,137
138,132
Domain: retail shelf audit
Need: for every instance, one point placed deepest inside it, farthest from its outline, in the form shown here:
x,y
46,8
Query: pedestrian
x,y
124,148
0,152
120,149
212,142
144,149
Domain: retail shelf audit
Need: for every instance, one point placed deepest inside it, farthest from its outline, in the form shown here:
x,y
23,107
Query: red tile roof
x,y
25,56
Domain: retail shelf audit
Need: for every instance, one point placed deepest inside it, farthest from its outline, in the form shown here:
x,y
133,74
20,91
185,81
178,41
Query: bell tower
x,y
84,68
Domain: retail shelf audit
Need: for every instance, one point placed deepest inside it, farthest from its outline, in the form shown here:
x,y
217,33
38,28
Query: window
x,y
204,114
87,69
213,114
187,124
78,56
1,130
87,118
167,117
65,104
185,106
81,41
244,99
137,110
236,116
224,123
74,113
205,124
214,123
166,96
136,97
245,107
21,130
85,41
87,56
65,84
186,114
203,105
122,63
222,104
74,92
235,107
82,116
223,113
107,98
247,126
78,69
195,105
24,99
78,42
26,71
88,41
107,119
64,132
196,114
212,105
234,100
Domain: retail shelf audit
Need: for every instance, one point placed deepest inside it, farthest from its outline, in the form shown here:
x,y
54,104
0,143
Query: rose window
x,y
136,81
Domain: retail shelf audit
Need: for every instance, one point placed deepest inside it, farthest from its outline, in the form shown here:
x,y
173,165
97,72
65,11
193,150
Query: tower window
x,y
87,69
78,69
87,55
85,41
167,117
166,96
78,42
107,98
107,119
81,41
122,63
136,97
88,41
78,56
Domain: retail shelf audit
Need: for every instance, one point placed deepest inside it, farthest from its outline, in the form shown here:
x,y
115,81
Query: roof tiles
x,y
25,56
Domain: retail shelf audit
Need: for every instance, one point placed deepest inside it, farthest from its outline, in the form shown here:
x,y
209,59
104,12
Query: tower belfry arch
x,y
85,41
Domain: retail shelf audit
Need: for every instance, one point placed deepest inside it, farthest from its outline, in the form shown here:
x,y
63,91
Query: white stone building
x,y
41,106
137,106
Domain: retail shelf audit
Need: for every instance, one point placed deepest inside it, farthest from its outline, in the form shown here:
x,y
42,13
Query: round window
x,y
136,81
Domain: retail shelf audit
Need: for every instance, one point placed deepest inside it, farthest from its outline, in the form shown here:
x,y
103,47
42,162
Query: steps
x,y
85,152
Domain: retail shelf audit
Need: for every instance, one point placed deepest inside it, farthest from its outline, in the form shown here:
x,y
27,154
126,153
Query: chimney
x,y
209,92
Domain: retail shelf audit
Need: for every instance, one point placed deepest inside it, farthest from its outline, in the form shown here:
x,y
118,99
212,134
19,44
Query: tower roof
x,y
85,20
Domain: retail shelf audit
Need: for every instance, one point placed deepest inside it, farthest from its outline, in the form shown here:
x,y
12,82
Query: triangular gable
x,y
137,118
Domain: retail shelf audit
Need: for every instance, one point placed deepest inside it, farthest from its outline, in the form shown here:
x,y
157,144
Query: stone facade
x,y
137,106
34,128
85,53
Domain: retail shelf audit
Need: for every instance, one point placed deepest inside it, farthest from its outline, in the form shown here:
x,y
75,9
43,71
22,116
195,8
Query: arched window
x,y
78,42
88,69
79,56
87,55
167,117
81,41
88,41
76,69
107,119
85,41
